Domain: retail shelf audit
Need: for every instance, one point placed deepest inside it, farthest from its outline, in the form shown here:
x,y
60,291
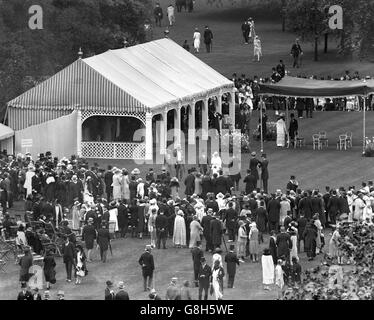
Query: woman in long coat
x,y
49,269
117,185
179,234
195,228
310,239
125,185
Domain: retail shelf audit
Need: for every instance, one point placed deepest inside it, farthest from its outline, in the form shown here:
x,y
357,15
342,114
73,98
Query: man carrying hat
x,y
147,262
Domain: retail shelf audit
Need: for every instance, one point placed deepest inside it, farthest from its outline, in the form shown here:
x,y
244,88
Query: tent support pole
x,y
364,128
261,130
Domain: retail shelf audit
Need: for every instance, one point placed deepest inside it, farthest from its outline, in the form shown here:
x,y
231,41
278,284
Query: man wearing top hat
x,y
197,254
205,279
147,262
231,260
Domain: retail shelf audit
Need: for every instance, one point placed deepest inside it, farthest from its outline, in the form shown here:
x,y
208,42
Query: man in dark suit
x,y
232,260
250,182
231,221
296,53
246,28
293,129
24,294
68,254
305,205
161,229
301,224
273,209
109,293
197,254
253,166
216,232
103,241
189,183
108,179
205,279
205,223
208,39
221,184
264,172
147,263
121,294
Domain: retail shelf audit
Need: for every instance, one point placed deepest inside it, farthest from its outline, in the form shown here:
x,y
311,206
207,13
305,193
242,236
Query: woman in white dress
x,y
257,49
217,280
75,215
171,15
125,185
87,194
199,210
216,163
267,269
196,40
29,174
281,132
179,236
113,220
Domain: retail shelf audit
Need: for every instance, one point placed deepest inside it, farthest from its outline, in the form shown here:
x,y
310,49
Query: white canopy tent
x,y
142,81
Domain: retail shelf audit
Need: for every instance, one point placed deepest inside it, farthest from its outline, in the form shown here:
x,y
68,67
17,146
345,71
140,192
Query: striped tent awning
x,y
136,79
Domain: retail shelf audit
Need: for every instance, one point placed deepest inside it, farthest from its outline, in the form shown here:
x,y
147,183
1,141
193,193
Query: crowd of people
x,y
100,205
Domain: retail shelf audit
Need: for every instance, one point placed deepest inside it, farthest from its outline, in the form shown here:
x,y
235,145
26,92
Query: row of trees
x,y
29,56
309,19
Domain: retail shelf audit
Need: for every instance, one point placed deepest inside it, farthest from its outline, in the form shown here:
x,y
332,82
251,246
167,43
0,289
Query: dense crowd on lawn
x,y
100,205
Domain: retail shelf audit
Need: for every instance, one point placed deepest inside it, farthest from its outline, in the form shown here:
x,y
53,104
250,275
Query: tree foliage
x,y
29,56
356,244
358,23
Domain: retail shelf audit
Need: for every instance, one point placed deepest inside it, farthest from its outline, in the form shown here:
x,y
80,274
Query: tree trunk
x,y
315,48
326,41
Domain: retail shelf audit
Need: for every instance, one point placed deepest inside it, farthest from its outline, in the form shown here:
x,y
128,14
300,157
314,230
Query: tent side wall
x,y
21,118
58,136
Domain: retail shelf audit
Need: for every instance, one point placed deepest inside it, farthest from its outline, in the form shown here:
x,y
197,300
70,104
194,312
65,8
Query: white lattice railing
x,y
113,150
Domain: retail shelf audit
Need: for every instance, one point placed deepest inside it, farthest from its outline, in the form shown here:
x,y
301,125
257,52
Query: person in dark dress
x,y
89,236
49,269
25,263
264,172
273,246
232,261
189,182
310,239
216,232
261,220
284,244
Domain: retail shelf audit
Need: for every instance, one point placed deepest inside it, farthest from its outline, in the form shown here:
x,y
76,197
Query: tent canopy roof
x,y
5,132
141,78
300,87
